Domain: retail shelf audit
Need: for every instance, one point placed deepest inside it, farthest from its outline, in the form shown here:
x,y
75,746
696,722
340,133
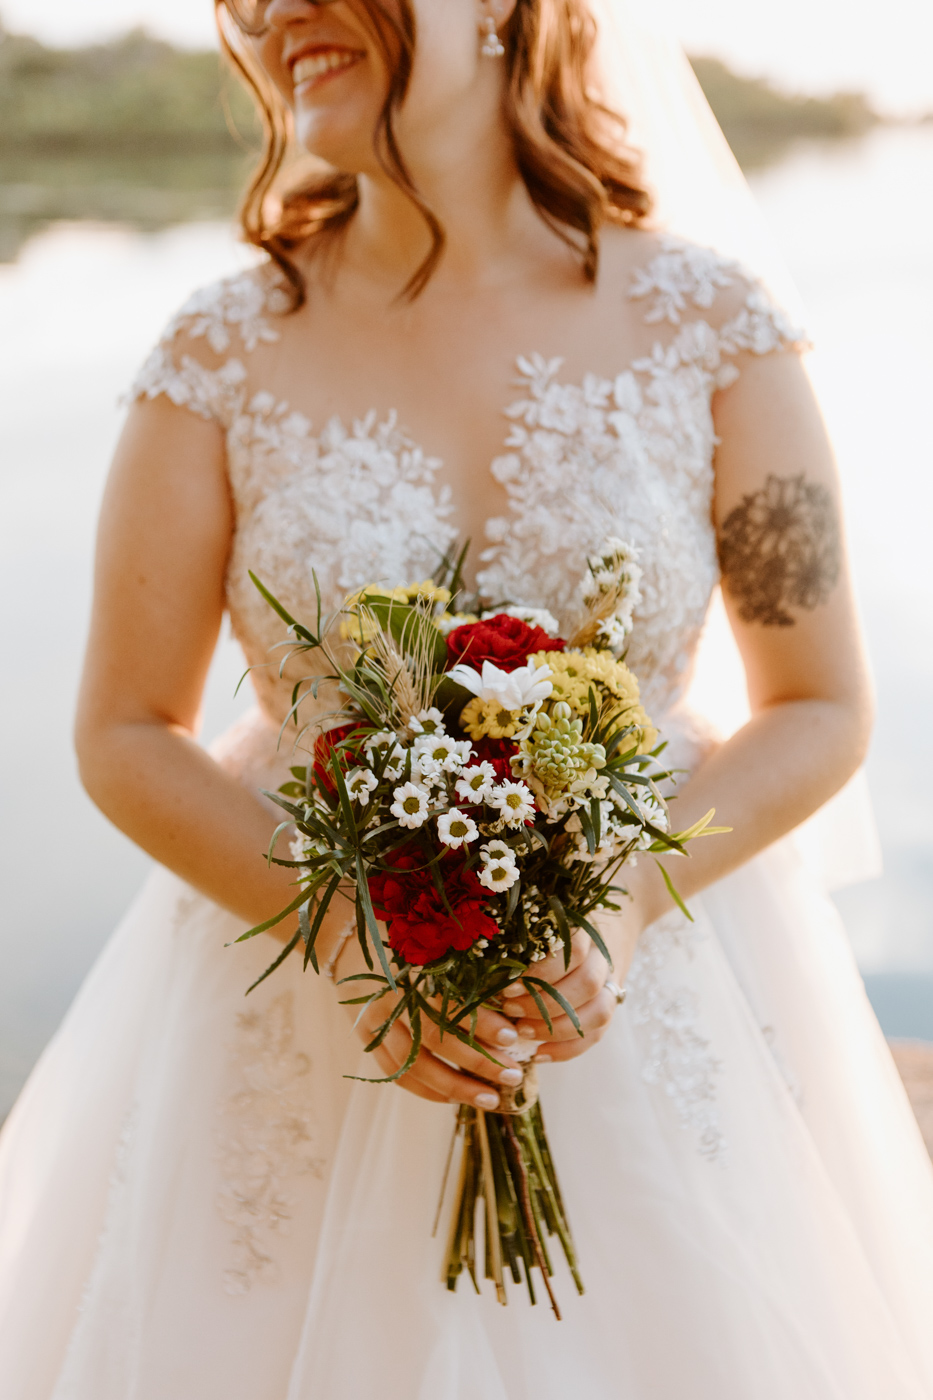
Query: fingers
x,y
560,1050
442,1083
552,969
501,1069
593,1017
580,985
492,1028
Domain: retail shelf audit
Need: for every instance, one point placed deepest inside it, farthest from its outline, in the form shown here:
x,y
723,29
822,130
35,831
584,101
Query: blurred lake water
x,y
83,302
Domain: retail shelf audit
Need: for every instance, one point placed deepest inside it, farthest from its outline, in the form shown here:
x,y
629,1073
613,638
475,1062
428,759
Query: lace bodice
x,y
357,503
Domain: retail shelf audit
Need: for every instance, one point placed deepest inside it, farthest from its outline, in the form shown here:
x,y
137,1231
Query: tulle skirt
x,y
197,1204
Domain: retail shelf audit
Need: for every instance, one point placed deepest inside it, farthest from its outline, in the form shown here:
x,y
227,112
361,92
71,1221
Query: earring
x,y
491,46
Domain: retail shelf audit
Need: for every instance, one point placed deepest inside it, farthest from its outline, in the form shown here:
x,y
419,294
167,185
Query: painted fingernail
x,y
527,1032
511,1076
515,990
487,1100
542,1059
506,1036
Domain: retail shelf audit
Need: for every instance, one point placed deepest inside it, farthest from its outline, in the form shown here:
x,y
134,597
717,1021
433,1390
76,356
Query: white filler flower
x,y
456,827
410,805
513,690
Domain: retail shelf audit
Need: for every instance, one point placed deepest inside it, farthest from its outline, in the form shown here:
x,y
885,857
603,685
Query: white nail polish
x,y
542,1059
506,1036
487,1101
511,1076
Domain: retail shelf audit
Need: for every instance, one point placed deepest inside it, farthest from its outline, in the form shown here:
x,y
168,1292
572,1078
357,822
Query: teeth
x,y
313,65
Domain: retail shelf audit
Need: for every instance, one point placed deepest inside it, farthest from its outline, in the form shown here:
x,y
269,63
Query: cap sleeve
x,y
198,361
719,310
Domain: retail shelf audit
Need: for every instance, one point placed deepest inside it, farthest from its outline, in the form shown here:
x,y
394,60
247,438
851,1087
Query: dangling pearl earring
x,y
491,46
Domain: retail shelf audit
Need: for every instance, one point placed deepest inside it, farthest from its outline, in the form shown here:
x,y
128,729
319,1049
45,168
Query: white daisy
x,y
514,802
382,743
475,782
456,827
410,805
499,875
498,851
360,783
447,754
427,722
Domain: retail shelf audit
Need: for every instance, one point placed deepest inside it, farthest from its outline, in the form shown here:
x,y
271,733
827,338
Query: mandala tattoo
x,y
780,549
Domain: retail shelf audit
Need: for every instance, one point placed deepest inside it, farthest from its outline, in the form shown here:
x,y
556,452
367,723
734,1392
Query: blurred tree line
x,y
137,131
136,94
143,96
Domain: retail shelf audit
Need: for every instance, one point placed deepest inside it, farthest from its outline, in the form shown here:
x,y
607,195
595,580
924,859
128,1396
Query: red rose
x,y
420,928
324,746
505,641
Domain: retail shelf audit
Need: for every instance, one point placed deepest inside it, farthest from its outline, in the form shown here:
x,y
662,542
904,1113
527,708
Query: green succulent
x,y
556,751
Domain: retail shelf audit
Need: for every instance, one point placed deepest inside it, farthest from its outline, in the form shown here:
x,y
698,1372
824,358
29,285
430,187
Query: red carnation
x,y
420,928
505,641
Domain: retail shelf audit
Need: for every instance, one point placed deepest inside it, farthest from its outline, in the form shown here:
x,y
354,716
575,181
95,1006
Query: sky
x,y
882,47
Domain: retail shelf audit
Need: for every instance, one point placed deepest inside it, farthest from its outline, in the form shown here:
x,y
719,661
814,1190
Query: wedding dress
x,y
196,1204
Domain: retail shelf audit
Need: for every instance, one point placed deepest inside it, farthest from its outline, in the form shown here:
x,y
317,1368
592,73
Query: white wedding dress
x,y
195,1204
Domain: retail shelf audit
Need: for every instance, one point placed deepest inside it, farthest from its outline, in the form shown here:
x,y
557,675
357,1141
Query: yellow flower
x,y
575,673
426,592
359,627
375,590
488,719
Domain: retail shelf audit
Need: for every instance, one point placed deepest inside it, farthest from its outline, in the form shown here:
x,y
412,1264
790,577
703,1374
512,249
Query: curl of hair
x,y
570,149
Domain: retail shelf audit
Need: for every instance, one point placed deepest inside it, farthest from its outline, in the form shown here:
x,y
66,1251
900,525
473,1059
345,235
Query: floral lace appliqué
x,y
675,1055
267,1140
679,275
357,503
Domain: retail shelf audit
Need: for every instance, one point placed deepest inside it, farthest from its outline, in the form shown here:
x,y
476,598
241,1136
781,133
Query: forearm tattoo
x,y
780,549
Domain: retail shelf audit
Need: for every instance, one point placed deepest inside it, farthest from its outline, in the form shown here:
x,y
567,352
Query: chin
x,y
339,136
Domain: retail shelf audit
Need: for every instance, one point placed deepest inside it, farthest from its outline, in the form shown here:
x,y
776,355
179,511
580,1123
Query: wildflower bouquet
x,y
482,785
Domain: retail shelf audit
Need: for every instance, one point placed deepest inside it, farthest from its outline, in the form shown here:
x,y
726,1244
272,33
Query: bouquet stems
x,y
506,1166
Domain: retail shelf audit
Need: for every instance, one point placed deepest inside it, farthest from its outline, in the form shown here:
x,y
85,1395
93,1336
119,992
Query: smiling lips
x,y
314,66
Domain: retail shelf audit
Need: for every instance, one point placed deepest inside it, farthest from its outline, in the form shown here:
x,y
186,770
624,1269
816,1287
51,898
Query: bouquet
x,y
475,795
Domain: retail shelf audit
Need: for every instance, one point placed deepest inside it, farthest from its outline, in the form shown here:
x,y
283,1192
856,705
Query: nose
x,y
283,12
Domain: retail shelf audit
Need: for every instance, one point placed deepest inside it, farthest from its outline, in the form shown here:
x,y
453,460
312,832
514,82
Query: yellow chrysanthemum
x,y
488,719
575,673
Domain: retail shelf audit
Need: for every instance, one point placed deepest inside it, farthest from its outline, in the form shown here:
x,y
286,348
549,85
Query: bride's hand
x,y
469,1078
582,984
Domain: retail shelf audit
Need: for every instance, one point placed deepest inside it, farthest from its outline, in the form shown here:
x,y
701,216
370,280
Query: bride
x,y
196,1203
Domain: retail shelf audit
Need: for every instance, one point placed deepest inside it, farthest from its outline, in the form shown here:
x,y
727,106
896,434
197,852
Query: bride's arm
x,y
788,594
163,541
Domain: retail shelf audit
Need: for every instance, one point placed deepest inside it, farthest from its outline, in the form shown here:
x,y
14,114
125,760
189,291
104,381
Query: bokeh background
x,y
122,148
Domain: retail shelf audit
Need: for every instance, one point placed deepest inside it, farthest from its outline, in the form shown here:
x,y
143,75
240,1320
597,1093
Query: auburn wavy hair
x,y
570,149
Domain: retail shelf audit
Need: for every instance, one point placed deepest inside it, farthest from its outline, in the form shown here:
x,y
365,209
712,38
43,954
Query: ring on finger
x,y
618,992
